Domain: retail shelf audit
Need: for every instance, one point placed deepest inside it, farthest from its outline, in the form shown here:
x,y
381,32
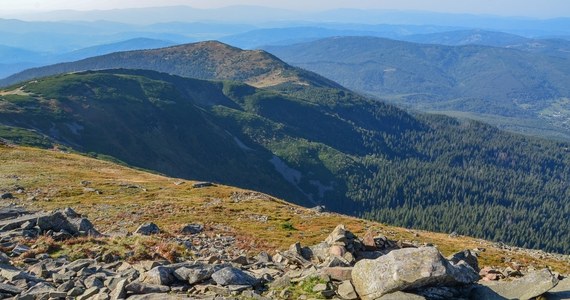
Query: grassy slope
x,y
130,197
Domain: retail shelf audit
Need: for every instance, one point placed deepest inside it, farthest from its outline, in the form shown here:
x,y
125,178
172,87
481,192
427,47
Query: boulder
x,y
338,236
6,196
157,296
79,264
346,291
39,290
143,288
319,252
561,291
194,274
532,285
9,289
192,229
159,275
405,269
401,296
90,292
338,273
467,256
232,276
93,281
119,292
198,185
148,229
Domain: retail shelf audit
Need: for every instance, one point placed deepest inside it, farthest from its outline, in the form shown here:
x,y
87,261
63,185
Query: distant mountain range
x,y
550,46
301,137
516,90
271,17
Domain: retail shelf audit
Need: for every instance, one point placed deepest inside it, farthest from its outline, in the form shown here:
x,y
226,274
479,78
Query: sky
x,y
523,8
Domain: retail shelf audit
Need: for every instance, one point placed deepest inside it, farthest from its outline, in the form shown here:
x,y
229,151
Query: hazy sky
x,y
529,8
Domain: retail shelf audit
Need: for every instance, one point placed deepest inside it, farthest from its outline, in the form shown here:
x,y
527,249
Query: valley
x,y
492,84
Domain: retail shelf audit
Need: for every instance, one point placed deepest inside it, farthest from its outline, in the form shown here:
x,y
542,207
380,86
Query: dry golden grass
x,y
118,199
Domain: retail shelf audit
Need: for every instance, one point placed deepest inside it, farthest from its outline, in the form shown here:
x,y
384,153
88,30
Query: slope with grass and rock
x,y
137,235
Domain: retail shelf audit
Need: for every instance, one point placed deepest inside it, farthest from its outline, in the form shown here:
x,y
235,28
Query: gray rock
x,y
241,260
281,282
6,196
4,259
405,269
93,281
263,257
12,274
561,291
39,269
10,289
442,292
338,236
61,278
335,261
346,291
56,221
20,249
17,221
338,273
146,265
158,275
467,256
111,282
148,229
530,286
192,229
232,276
401,296
320,287
75,291
155,296
198,185
70,213
39,289
66,286
83,226
195,274
79,264
119,292
101,296
57,295
88,293
319,252
144,288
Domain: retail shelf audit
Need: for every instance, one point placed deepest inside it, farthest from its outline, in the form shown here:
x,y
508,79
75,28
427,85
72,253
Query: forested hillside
x,y
510,88
311,145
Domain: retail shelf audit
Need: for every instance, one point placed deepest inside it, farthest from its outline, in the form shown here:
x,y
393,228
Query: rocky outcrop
x,y
147,229
530,286
59,224
407,269
344,266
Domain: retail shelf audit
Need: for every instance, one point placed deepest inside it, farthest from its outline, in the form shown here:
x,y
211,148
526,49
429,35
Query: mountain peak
x,y
210,60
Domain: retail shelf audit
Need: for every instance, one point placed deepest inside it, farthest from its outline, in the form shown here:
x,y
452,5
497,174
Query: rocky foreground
x,y
341,267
